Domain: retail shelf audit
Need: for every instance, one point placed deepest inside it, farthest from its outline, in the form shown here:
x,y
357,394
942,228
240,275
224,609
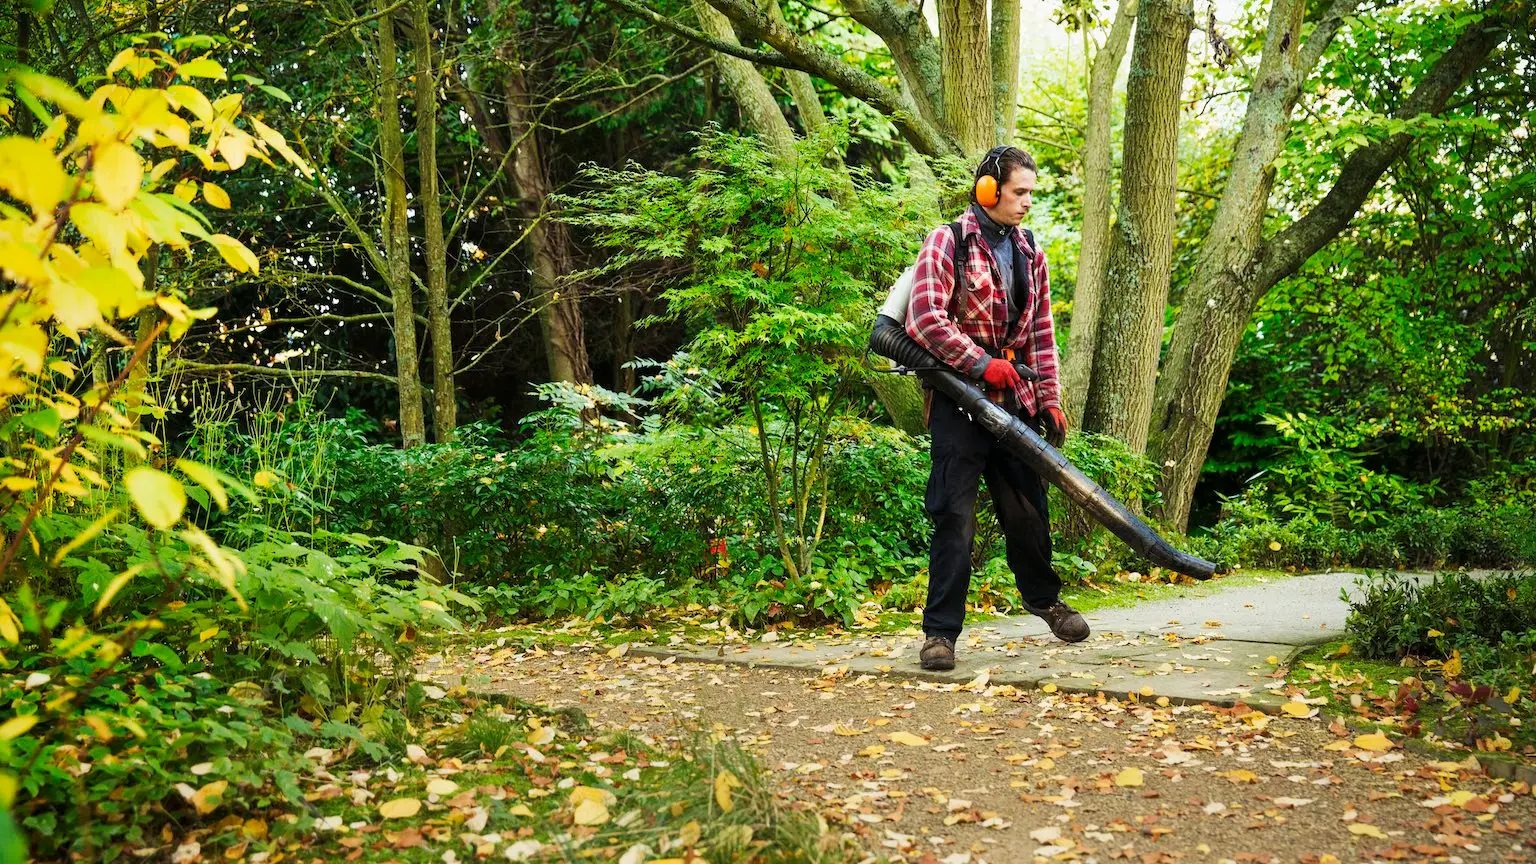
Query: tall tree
x,y
1087,295
559,301
968,96
1005,69
759,109
397,240
1141,248
1236,266
439,324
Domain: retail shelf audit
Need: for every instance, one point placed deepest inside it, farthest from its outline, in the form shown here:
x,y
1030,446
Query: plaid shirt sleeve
x,y
928,320
1042,356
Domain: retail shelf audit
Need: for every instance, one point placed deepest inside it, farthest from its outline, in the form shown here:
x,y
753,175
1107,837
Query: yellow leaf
x,y
873,751
521,810
204,476
1433,633
17,725
115,586
592,793
441,786
724,782
1296,709
31,173
123,58
1129,777
618,651
235,254
907,738
591,813
847,731
202,67
254,828
1452,667
118,174
1049,688
73,306
114,292
207,634
1341,744
159,496
1274,545
1272,660
191,99
1240,775
1512,696
208,798
400,808
215,196
85,535
264,479
18,483
1360,829
274,140
1374,742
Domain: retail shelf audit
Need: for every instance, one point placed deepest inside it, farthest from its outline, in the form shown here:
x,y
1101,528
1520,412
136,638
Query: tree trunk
x,y
560,318
963,43
397,242
1212,303
758,107
1082,343
1141,249
444,395
807,103
624,378
1235,269
1005,69
904,29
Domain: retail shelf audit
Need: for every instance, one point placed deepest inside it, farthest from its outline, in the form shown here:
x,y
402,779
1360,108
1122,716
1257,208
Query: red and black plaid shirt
x,y
980,325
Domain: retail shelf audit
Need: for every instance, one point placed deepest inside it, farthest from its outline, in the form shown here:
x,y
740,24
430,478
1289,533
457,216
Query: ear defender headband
x,y
987,181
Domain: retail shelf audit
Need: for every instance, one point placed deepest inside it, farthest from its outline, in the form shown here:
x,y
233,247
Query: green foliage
x,y
1322,473
784,262
153,675
1407,331
1479,633
1398,616
1321,505
599,517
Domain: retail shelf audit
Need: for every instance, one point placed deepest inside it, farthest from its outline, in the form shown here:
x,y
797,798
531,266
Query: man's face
x,y
1014,198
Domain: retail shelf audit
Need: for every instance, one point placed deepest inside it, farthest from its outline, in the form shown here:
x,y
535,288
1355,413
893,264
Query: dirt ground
x,y
930,772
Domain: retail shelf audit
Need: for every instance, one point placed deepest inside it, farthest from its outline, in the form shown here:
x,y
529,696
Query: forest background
x,y
328,326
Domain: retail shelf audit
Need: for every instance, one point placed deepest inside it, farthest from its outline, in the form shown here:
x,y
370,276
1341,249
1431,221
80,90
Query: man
x,y
1004,304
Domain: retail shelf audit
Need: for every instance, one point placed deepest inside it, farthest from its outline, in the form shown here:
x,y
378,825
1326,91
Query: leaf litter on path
x,y
959,765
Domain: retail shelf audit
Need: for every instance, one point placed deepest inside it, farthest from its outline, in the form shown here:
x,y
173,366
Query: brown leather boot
x,y
1066,623
938,654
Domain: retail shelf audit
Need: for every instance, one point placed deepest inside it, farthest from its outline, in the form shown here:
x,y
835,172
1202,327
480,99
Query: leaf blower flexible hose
x,y
890,339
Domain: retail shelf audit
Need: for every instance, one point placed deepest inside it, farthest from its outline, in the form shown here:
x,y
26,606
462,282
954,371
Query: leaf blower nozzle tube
x,y
890,339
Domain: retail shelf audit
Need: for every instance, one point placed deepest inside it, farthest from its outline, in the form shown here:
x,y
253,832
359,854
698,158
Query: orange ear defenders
x,y
987,193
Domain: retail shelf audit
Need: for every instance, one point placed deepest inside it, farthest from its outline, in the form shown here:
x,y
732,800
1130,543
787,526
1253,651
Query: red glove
x,y
1001,375
1055,426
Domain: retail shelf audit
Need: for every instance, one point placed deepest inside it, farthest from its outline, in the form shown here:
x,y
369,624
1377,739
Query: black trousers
x,y
963,453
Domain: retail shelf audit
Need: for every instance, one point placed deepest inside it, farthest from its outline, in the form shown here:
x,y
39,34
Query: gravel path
x,y
936,771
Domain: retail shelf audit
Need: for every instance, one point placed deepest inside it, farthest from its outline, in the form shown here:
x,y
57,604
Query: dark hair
x,y
1000,162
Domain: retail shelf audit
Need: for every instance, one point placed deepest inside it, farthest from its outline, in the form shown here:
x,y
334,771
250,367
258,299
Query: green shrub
x,y
1399,616
176,686
612,519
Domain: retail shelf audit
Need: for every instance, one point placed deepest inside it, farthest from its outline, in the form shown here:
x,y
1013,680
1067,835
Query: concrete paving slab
x,y
1213,648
